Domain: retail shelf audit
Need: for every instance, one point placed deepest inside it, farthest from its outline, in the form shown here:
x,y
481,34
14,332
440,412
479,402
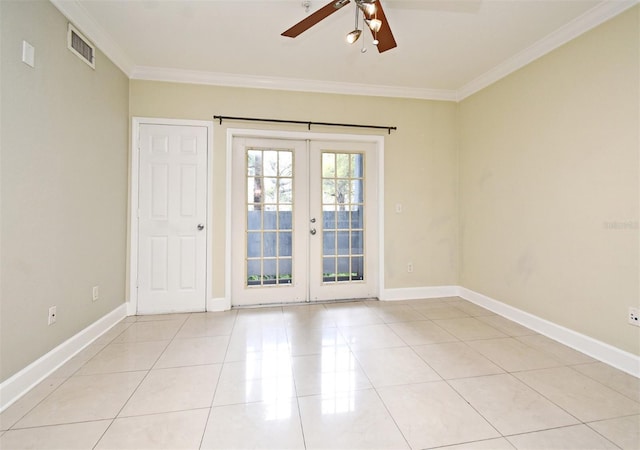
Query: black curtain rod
x,y
307,123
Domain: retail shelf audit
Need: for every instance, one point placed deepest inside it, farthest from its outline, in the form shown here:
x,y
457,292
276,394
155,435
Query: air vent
x,y
80,46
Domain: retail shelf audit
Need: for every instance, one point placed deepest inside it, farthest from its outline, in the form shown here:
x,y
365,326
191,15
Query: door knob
x,y
200,226
313,231
313,220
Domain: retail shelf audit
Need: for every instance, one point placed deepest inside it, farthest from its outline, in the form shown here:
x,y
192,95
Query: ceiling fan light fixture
x,y
367,6
353,36
374,24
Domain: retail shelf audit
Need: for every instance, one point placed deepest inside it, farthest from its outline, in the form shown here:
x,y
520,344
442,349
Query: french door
x,y
304,220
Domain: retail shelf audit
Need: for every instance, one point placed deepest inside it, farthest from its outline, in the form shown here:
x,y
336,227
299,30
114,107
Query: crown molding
x,y
81,19
592,18
287,84
76,13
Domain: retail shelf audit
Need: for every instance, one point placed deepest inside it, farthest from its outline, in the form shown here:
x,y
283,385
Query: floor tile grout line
x,y
295,388
580,421
588,424
573,366
570,367
474,408
117,415
66,378
395,422
559,428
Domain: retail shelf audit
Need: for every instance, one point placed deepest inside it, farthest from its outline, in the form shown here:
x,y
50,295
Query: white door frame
x,y
304,135
134,178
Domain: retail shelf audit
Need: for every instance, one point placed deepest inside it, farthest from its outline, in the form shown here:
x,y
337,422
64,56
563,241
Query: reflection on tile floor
x,y
357,375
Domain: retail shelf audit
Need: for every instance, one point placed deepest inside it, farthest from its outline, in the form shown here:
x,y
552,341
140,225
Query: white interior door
x,y
303,221
172,215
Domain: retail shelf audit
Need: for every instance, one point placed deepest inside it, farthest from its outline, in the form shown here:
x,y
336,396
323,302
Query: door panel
x,y
343,192
172,202
266,195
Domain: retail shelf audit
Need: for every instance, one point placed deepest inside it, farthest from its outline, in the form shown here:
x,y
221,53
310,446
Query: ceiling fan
x,y
373,15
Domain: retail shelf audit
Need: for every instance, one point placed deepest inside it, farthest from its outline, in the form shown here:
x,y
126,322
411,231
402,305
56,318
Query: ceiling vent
x,y
81,46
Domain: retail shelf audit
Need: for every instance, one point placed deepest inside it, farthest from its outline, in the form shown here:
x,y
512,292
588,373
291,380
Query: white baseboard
x,y
19,384
599,350
218,304
131,308
415,293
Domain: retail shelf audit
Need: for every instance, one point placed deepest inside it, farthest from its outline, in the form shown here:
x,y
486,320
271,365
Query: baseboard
x,y
19,384
415,293
218,304
599,350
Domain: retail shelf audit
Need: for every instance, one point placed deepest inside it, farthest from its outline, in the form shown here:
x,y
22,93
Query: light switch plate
x,y
28,54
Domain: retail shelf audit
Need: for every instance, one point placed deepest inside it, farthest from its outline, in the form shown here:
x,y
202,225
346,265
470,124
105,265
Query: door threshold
x,y
319,302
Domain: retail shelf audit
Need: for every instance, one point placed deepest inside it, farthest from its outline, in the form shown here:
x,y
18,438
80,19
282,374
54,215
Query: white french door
x,y
172,218
304,222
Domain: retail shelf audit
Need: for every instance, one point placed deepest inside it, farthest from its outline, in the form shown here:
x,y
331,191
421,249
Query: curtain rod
x,y
307,123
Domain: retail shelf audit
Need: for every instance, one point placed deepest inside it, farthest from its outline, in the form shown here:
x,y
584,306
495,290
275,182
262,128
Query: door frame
x,y
377,140
134,179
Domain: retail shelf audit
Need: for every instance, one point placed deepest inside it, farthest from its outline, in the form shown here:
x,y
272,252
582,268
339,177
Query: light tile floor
x,y
370,375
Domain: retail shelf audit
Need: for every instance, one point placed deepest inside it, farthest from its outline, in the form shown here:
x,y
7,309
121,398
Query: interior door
x,y
303,221
172,200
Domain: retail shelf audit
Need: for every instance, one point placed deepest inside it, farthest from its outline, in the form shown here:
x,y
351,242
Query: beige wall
x,y
64,185
420,164
549,187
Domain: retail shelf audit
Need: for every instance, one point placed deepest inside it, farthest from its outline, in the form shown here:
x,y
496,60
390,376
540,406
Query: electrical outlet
x,y
96,293
52,315
634,316
410,267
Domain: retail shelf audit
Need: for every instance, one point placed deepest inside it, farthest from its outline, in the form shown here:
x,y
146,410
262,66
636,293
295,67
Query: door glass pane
x,y
328,191
254,244
344,246
269,217
270,163
328,269
328,165
285,164
329,243
356,217
270,190
284,191
343,220
270,220
254,218
357,268
343,227
254,272
269,271
284,218
356,242
357,194
284,244
343,165
269,244
285,274
344,273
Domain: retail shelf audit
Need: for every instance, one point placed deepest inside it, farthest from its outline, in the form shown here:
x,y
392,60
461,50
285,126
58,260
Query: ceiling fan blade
x,y
386,41
316,17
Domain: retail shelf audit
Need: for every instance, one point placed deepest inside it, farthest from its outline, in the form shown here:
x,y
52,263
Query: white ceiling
x,y
447,49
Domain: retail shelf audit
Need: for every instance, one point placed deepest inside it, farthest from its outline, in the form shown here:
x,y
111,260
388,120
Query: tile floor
x,y
370,375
